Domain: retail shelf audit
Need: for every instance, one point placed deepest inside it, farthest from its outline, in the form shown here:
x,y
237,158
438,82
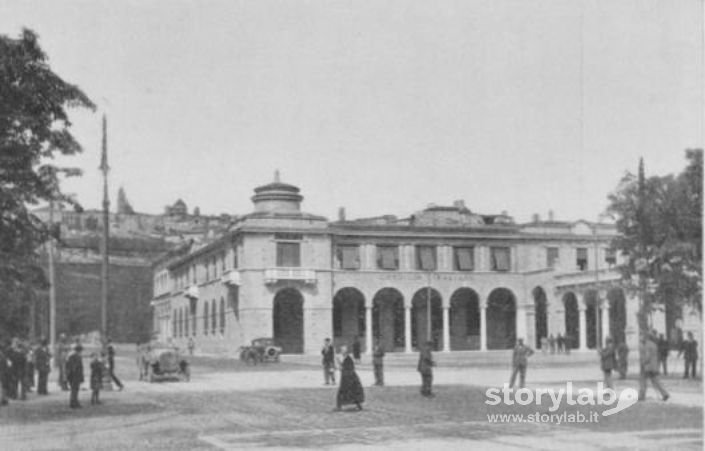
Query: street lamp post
x,y
428,308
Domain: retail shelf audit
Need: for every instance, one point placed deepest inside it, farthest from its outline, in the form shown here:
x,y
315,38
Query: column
x,y
520,324
368,329
605,327
407,329
583,326
446,329
483,327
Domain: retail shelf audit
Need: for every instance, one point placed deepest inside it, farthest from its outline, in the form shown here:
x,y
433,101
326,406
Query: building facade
x,y
462,280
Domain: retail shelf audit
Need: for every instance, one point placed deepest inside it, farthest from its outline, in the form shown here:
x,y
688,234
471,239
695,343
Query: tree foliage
x,y
34,128
660,223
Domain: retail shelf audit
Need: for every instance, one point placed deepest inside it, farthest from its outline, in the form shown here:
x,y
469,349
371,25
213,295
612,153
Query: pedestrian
x,y
18,380
649,366
42,359
29,369
4,373
622,359
350,390
62,352
328,361
519,363
74,374
663,349
552,343
356,349
191,345
378,364
559,342
608,361
425,367
97,367
689,349
111,364
544,345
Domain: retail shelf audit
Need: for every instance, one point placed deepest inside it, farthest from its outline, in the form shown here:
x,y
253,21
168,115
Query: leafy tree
x,y
660,223
34,128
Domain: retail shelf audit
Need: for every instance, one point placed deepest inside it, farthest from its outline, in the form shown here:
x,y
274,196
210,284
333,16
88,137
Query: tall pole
x,y
598,326
106,235
428,308
52,280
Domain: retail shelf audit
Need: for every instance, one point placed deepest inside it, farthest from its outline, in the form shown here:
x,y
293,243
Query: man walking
x,y
689,349
608,361
111,364
519,362
649,367
425,367
622,359
662,346
42,358
328,361
74,374
378,364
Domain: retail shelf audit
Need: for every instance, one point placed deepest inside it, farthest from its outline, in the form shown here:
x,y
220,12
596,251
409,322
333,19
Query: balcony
x,y
274,275
231,277
191,292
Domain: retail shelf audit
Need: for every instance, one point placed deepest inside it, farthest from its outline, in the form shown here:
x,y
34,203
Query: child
x,y
96,377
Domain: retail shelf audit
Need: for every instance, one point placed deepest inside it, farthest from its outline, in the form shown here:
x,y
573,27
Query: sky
x,y
380,107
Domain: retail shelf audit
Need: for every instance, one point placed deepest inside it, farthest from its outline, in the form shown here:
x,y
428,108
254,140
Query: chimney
x,y
536,217
459,204
341,214
550,215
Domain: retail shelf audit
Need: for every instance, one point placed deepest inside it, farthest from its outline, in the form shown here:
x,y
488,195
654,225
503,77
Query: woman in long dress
x,y
350,390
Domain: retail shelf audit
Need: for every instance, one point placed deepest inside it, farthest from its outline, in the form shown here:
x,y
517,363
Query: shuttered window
x,y
288,254
464,258
349,257
426,258
388,257
582,258
552,257
500,258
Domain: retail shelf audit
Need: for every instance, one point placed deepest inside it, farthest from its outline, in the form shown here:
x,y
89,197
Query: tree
x,y
660,224
34,128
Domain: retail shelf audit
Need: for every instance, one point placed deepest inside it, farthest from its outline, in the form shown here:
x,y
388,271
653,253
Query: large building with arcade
x,y
464,280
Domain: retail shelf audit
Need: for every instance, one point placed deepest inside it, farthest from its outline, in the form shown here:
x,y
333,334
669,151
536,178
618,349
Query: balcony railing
x,y
231,277
192,292
273,275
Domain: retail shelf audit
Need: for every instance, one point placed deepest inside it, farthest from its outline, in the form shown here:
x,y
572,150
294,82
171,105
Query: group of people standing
x,y
350,390
20,360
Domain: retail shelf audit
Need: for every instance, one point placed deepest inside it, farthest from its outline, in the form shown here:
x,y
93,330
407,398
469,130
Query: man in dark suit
x,y
42,358
74,374
425,367
519,362
689,349
111,364
378,363
328,360
649,367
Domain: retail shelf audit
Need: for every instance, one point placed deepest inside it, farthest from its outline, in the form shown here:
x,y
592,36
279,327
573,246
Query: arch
x,y
618,314
349,317
464,319
288,320
572,321
540,315
205,318
222,315
593,318
501,319
419,318
388,319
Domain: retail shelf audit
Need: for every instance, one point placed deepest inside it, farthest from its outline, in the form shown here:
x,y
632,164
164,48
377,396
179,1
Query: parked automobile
x,y
166,362
260,350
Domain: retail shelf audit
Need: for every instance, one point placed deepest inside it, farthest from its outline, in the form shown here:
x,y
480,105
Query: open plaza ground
x,y
230,405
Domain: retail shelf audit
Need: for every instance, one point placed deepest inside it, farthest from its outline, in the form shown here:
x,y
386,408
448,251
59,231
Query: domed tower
x,y
277,197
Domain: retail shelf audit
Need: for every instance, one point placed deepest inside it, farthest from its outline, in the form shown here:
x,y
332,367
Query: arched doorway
x,y
388,319
288,320
464,320
593,319
419,318
618,314
501,319
572,321
349,317
540,315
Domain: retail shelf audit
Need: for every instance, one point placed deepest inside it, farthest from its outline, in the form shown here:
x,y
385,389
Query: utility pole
x,y
106,235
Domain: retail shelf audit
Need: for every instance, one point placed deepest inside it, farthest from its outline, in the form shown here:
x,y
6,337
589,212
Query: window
x,y
611,257
388,257
464,258
214,317
222,316
288,254
552,257
186,320
205,318
426,258
222,262
349,257
582,258
500,258
173,324
235,257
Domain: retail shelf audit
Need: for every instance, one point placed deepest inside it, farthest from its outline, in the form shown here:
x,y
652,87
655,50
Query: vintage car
x,y
261,350
166,362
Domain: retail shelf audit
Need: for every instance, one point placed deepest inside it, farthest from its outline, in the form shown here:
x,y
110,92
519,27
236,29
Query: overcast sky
x,y
379,106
